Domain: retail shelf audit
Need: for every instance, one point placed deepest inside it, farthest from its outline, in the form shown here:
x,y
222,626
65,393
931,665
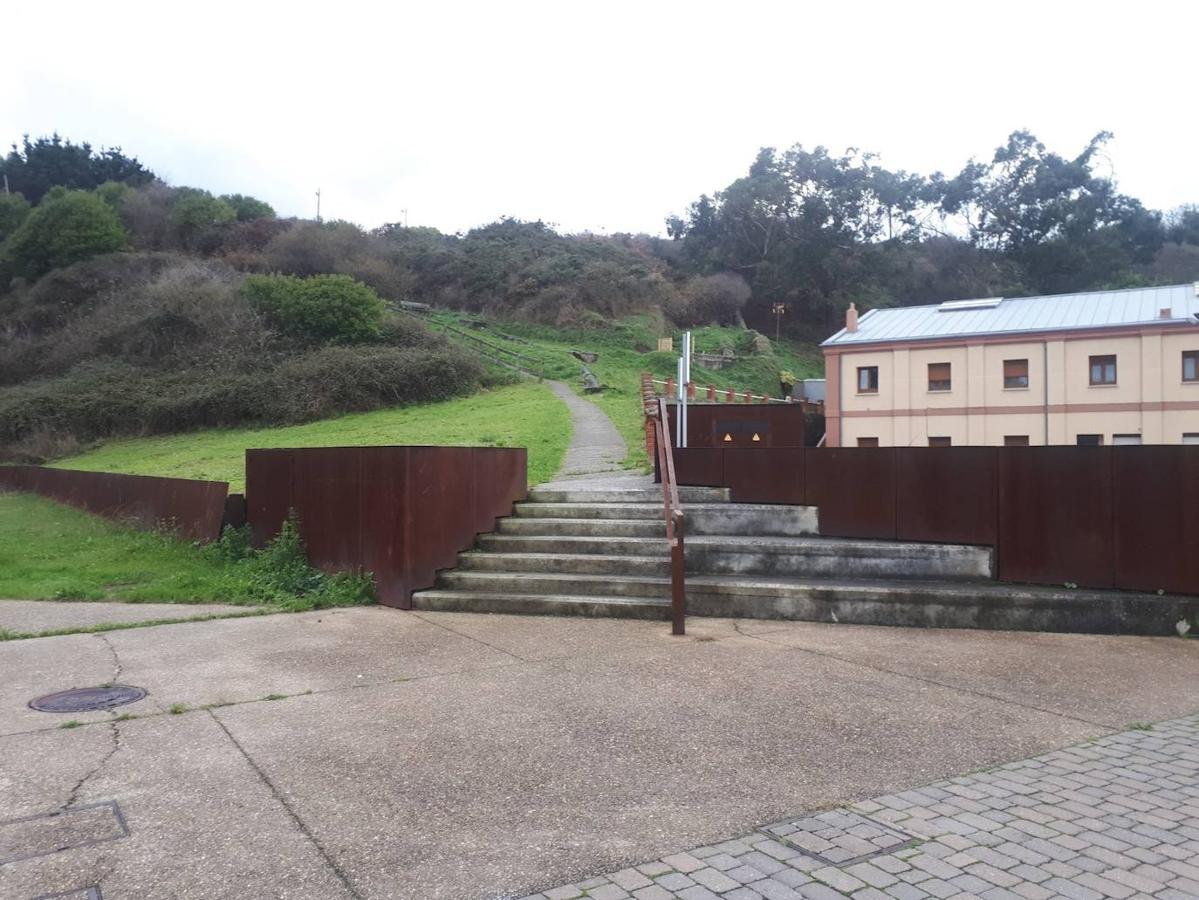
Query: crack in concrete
x,y
467,636
73,796
118,666
1106,726
342,876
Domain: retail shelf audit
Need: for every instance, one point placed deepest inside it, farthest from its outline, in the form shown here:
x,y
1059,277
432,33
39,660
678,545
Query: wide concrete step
x,y
564,563
936,604
646,495
701,518
834,557
542,604
756,556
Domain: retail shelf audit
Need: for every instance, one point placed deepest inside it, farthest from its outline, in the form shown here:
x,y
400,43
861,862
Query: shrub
x,y
312,248
331,308
13,210
65,228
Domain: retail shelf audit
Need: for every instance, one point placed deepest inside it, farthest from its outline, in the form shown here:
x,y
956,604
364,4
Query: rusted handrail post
x,y
675,521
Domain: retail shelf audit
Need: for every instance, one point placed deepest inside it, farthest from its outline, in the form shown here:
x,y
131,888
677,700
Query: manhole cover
x,y
841,837
85,699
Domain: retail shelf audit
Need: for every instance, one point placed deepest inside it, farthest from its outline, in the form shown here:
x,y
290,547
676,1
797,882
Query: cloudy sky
x,y
598,116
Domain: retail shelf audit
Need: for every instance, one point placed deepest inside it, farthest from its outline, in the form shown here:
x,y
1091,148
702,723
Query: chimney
x,y
851,318
1165,313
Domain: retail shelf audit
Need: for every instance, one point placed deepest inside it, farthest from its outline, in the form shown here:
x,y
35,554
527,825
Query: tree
x,y
1066,224
65,228
13,210
37,166
248,208
196,214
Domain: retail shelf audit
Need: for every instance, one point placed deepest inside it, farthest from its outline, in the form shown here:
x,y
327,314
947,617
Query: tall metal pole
x,y
318,204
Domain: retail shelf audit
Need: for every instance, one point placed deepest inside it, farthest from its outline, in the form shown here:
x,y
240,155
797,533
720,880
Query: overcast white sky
x,y
603,116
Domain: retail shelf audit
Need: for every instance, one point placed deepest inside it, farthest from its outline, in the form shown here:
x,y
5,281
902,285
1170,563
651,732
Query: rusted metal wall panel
x,y
698,466
855,490
400,512
776,424
1156,518
772,475
947,497
194,509
1056,516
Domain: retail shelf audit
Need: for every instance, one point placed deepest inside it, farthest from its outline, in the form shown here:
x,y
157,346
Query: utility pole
x,y
405,212
6,182
318,204
778,309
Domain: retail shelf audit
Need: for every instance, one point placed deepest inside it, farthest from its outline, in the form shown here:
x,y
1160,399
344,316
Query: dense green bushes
x,y
157,343
65,228
332,308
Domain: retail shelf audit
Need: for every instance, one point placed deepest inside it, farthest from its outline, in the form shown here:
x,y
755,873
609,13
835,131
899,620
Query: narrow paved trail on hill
x,y
596,448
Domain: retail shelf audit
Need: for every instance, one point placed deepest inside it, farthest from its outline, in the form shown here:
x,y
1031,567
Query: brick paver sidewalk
x,y
1117,817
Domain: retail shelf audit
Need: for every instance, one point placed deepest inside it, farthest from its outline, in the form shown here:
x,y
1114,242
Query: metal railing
x,y
713,394
675,520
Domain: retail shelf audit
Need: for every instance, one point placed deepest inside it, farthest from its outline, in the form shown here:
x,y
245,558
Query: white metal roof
x,y
1012,315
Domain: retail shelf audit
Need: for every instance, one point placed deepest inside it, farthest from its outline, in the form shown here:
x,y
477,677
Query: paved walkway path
x,y
1116,817
36,616
596,448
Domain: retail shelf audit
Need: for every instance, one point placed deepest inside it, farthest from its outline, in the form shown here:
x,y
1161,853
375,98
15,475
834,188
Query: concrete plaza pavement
x,y
374,753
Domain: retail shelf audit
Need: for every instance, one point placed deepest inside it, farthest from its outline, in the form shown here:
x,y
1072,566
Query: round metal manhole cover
x,y
85,699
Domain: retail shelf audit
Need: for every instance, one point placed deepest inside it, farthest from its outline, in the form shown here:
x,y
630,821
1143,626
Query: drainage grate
x,y
85,699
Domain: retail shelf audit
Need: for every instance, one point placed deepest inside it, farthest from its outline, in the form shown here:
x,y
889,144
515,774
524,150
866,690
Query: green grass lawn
x,y
50,551
626,350
520,415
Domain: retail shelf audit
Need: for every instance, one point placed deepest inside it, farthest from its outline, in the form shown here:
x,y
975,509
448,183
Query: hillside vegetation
x,y
132,307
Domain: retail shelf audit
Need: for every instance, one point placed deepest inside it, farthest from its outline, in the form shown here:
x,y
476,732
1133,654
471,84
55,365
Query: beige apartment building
x,y
1107,367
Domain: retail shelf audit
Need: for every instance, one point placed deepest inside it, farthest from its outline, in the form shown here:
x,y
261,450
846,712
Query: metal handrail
x,y
675,520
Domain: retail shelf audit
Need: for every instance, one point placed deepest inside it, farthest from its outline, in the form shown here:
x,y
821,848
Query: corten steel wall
x,y
1103,517
192,508
399,512
777,424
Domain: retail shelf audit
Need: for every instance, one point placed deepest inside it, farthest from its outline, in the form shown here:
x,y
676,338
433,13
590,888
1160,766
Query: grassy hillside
x,y
626,349
522,415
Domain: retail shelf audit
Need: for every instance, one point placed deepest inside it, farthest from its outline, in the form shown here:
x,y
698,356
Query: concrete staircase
x,y
596,552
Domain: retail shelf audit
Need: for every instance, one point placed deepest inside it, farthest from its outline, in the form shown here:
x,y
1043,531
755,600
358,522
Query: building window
x,y
867,442
1090,440
939,377
940,442
1126,440
1015,373
1015,440
868,379
1190,365
1103,370
1191,438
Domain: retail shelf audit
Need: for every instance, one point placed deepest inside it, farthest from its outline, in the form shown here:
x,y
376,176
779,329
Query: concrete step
x,y
646,528
834,557
605,586
754,556
542,604
565,563
702,518
641,495
605,546
936,604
